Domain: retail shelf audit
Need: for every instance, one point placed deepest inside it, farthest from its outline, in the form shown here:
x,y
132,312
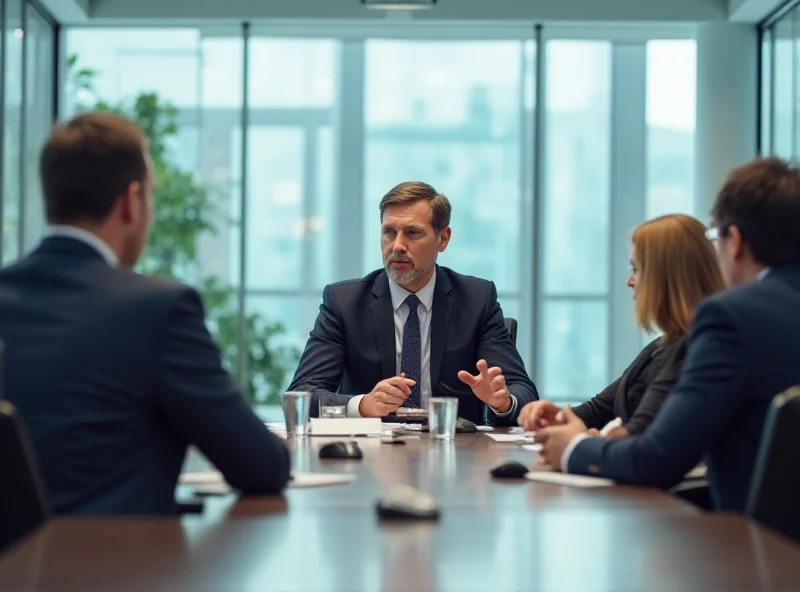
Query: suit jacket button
x,y
594,469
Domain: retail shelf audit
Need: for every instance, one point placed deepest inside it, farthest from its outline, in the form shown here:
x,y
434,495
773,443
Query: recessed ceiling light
x,y
399,4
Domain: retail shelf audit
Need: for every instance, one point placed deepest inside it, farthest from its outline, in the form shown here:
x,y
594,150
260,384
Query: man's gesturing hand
x,y
489,386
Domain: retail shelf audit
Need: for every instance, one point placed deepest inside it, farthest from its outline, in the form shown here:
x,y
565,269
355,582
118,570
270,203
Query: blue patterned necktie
x,y
411,359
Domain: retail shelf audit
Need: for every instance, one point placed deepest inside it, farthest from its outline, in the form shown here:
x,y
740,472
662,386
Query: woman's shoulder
x,y
670,350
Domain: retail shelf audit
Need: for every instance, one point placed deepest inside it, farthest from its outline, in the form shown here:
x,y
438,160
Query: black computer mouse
x,y
406,503
510,470
343,450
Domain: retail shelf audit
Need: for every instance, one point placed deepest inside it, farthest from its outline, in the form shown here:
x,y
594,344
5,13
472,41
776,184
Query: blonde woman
x,y
674,268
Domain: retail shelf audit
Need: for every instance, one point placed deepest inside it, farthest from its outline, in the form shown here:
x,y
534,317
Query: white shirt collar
x,y
86,237
425,294
762,274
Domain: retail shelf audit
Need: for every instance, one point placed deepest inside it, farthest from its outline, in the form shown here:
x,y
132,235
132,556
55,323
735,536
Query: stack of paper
x,y
568,480
213,483
524,438
318,479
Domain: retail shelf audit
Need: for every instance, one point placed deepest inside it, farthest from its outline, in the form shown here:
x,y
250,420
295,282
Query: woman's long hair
x,y
678,269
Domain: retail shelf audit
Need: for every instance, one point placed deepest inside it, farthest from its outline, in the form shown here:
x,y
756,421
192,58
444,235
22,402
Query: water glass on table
x,y
296,410
332,407
442,415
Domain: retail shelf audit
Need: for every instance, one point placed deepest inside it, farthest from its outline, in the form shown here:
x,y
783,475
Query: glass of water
x,y
442,414
296,408
332,407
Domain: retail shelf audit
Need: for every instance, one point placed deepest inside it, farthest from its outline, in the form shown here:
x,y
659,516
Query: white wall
x,y
497,10
727,91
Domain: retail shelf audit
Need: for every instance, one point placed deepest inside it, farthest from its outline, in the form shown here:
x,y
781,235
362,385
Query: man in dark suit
x,y
114,373
408,332
743,350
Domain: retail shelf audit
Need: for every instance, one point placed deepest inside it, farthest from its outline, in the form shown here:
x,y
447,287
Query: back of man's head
x,y
87,164
762,199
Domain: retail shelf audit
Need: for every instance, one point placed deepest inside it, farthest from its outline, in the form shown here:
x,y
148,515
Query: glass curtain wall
x,y
289,203
28,111
780,85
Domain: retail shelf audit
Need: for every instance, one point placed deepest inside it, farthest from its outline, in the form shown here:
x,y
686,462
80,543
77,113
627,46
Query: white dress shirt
x,y
87,238
581,437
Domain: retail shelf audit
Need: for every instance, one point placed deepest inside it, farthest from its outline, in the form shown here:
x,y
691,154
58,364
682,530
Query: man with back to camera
x,y
114,373
743,351
411,331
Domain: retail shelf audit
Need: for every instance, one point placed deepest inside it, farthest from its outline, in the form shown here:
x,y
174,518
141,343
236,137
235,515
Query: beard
x,y
400,277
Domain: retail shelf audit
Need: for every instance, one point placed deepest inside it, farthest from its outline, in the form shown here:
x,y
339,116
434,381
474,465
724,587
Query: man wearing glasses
x,y
743,350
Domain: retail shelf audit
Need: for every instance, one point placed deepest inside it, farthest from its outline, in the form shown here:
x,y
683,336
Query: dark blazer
x,y
743,350
352,345
637,395
114,375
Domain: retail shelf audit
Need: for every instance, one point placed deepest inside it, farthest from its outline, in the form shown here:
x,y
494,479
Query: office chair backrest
x,y
511,325
23,502
774,498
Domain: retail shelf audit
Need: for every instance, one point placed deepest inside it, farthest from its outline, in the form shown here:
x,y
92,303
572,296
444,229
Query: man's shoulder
x,y
760,307
150,284
462,278
460,282
740,297
356,285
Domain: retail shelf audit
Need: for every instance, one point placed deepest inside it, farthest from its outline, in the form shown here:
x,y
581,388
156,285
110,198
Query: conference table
x,y
492,535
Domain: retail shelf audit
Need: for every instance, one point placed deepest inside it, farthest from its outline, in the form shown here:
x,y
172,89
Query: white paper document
x,y
568,480
699,472
512,438
318,479
213,483
362,426
279,429
201,478
206,482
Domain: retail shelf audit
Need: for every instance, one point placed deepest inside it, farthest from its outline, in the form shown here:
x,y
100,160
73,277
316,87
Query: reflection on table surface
x,y
493,535
455,473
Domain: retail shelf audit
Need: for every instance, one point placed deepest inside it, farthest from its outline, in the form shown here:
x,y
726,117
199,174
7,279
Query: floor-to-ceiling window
x,y
574,253
289,203
28,110
452,113
12,126
780,84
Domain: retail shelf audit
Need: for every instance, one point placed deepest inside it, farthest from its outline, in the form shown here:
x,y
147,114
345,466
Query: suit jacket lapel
x,y
383,325
440,324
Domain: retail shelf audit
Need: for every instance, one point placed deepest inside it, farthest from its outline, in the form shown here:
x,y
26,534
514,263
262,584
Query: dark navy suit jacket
x,y
744,349
352,345
114,374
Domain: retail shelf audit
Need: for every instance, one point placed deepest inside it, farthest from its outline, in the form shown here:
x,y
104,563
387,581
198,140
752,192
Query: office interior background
x,y
553,127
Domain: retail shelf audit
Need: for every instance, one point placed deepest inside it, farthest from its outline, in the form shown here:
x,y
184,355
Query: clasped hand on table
x,y
555,428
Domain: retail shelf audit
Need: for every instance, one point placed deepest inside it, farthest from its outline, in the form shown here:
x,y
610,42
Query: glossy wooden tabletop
x,y
456,474
492,536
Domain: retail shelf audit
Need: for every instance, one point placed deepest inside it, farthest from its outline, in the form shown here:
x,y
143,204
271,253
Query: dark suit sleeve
x,y
322,364
497,349
199,398
599,410
709,395
657,392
